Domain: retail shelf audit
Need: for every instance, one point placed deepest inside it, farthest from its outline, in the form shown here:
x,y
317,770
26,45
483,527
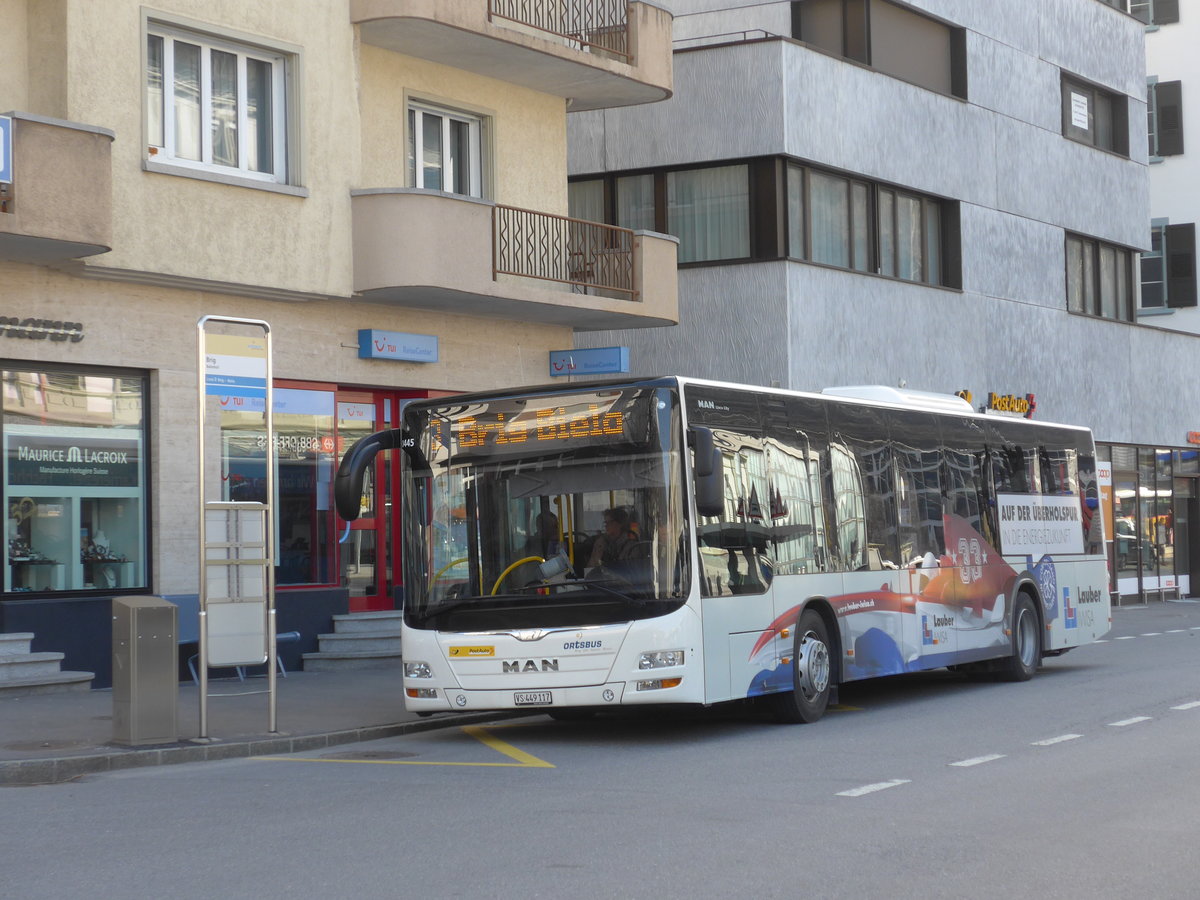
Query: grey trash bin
x,y
145,658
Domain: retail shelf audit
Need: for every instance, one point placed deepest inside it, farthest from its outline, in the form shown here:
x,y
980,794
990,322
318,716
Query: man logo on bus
x,y
518,667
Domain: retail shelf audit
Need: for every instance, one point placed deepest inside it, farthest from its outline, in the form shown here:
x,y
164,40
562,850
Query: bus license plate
x,y
533,698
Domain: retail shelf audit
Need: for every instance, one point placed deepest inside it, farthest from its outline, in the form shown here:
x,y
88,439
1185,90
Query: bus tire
x,y
1026,642
812,673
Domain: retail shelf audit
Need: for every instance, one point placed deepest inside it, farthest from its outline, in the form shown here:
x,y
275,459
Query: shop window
x,y
215,104
305,452
74,481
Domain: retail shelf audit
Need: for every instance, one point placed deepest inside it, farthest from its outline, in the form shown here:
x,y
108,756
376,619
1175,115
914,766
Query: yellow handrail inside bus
x,y
449,565
519,562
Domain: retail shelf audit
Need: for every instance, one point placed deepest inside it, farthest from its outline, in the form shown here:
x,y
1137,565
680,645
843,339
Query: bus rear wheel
x,y
1026,642
812,673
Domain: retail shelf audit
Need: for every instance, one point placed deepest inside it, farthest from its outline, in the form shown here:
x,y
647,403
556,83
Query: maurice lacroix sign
x,y
68,461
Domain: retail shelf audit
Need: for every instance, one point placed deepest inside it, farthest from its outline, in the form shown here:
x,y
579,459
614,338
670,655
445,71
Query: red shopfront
x,y
315,425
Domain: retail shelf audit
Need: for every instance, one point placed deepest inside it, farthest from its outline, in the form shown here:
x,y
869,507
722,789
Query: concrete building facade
x,y
942,195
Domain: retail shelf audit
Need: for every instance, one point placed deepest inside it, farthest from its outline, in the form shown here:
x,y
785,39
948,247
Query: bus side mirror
x,y
347,484
708,473
700,439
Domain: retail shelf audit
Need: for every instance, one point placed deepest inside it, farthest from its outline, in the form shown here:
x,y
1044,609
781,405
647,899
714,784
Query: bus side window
x,y
734,546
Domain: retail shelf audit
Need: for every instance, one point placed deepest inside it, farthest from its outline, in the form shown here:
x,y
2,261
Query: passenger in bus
x,y
616,543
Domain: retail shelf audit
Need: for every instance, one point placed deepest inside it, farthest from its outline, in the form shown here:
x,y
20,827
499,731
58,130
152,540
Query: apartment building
x,y
941,195
382,182
1168,272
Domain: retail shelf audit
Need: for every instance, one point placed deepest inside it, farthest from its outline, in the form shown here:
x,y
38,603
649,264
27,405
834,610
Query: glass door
x,y
362,542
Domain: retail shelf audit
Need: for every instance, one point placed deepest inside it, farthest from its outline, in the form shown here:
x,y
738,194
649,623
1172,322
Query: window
x,y
888,37
1169,269
852,224
709,211
445,150
1164,118
75,485
215,105
1155,12
1099,279
305,462
1094,116
771,208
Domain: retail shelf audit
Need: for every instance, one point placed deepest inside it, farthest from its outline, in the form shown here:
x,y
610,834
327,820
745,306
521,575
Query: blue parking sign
x,y
5,149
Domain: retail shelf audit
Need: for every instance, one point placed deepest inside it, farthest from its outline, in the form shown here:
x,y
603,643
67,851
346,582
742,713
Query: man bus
x,y
780,544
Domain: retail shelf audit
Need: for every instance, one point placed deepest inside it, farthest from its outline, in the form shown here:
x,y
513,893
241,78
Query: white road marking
x,y
1176,631
1132,721
1127,637
872,788
1056,740
1099,641
978,760
1191,705
1152,634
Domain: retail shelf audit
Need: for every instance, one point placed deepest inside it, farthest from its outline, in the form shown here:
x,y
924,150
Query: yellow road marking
x,y
522,759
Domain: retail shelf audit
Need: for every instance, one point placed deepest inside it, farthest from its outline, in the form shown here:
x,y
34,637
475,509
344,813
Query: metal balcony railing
x,y
589,256
588,24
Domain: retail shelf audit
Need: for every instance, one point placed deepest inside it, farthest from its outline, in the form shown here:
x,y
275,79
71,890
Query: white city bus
x,y
764,543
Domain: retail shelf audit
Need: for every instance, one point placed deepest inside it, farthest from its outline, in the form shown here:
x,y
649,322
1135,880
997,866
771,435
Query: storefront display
x,y
74,481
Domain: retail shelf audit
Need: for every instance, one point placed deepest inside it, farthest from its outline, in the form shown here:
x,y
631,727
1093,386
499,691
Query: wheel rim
x,y
1027,637
814,666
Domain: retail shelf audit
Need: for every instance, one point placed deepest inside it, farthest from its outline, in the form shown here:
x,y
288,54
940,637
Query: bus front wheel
x,y
812,673
1026,642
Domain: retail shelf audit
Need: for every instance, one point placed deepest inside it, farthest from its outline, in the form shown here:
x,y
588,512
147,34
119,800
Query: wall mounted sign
x,y
6,173
1193,437
41,329
75,461
599,361
375,344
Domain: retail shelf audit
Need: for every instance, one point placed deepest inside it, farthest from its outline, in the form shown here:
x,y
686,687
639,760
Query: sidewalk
x,y
49,738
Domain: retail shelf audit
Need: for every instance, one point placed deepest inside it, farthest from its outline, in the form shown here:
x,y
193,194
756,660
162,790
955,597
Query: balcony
x,y
594,53
453,254
59,205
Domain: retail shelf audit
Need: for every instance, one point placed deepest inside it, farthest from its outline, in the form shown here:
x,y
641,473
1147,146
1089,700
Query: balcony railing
x,y
588,256
588,24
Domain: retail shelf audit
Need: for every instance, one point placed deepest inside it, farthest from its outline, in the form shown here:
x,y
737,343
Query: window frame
x,y
1164,141
159,132
1092,301
478,152
1118,115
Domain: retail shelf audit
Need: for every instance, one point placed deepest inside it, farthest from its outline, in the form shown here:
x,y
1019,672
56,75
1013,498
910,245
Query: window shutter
x,y
1181,265
1169,98
1166,12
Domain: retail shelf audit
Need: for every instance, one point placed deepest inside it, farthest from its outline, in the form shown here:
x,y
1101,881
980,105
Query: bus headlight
x,y
659,659
417,670
421,693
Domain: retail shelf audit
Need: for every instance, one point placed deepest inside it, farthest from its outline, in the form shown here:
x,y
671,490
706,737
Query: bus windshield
x,y
553,511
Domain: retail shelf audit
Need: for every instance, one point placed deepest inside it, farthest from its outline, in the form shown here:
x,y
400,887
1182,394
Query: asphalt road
x,y
1079,784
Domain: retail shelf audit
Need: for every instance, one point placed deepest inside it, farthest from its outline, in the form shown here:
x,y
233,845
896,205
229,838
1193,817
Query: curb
x,y
57,770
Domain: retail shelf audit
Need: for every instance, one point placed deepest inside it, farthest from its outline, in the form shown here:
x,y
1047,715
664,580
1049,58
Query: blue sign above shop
x,y
375,344
6,143
598,361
